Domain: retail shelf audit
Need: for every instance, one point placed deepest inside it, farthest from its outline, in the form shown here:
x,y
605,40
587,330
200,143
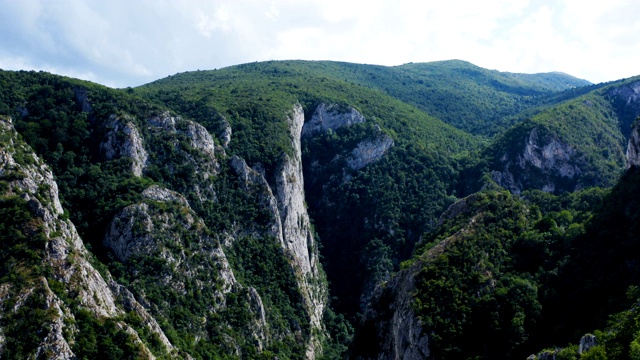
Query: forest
x,y
496,213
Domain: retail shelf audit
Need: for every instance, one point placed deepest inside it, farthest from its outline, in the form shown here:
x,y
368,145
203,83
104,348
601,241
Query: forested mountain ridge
x,y
262,210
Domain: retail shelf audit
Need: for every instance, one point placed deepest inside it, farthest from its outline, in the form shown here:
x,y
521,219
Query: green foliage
x,y
488,290
516,273
25,328
339,335
22,239
377,212
102,338
254,260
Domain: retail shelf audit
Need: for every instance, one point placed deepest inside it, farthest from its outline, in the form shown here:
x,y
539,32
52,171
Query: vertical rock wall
x,y
298,239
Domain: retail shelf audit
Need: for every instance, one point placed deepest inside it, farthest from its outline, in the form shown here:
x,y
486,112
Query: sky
x,y
121,43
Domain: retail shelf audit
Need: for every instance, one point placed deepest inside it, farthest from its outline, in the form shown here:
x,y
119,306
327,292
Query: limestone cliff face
x,y
629,93
368,151
297,236
64,254
290,224
633,147
331,117
164,227
544,162
225,133
146,229
124,140
398,332
626,100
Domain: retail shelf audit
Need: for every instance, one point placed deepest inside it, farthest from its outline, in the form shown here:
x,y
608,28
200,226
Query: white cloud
x,y
128,43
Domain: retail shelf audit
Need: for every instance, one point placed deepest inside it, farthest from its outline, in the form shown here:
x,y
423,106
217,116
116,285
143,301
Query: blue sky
x,y
128,43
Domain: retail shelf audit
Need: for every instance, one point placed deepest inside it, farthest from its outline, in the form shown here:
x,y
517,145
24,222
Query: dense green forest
x,y
504,197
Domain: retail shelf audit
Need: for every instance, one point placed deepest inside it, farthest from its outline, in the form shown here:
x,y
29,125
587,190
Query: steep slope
x,y
207,199
159,202
55,304
506,276
388,140
576,144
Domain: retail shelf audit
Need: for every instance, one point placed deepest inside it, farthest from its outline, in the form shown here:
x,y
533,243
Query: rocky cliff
x,y
633,147
372,145
545,162
173,146
177,145
331,117
369,150
71,284
163,227
290,224
124,140
297,236
626,101
390,322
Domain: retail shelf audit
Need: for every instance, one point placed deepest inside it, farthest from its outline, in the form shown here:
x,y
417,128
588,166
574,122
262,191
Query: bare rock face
x,y
543,161
159,193
369,151
626,97
64,254
330,117
225,134
179,132
285,201
587,342
146,229
633,147
547,155
163,226
297,237
629,93
82,97
398,330
130,232
124,140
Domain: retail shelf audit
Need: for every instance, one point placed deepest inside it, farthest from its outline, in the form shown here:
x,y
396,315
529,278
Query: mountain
x,y
297,209
575,144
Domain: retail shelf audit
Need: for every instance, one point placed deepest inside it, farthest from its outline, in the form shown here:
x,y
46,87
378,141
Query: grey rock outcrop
x,y
124,140
331,117
82,97
225,134
64,254
543,161
290,224
296,227
202,156
164,226
158,193
54,342
633,147
627,99
144,229
629,93
587,342
369,151
399,332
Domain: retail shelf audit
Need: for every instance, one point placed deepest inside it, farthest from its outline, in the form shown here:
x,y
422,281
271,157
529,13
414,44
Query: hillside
x,y
298,209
